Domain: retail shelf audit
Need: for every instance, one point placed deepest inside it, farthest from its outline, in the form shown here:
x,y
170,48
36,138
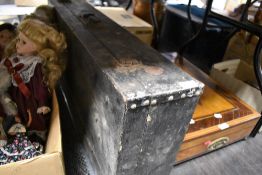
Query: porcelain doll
x,y
44,13
7,33
8,110
35,66
7,105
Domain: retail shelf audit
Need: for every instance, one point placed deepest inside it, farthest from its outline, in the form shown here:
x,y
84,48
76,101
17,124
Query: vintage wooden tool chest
x,y
130,106
219,119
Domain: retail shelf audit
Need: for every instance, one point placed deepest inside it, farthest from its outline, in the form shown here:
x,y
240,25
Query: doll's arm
x,y
43,110
41,92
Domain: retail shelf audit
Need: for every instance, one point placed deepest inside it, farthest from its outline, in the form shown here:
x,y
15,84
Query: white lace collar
x,y
28,69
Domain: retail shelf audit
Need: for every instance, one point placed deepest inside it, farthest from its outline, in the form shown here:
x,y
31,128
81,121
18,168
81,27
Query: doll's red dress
x,y
31,73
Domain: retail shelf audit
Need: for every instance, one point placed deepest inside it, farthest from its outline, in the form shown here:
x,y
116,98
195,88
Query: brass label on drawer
x,y
218,143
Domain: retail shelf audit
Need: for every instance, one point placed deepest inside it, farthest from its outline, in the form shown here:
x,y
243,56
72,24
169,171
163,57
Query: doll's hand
x,y
43,110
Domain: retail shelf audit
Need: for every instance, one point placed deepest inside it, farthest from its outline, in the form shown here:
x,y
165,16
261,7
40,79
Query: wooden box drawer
x,y
220,118
193,147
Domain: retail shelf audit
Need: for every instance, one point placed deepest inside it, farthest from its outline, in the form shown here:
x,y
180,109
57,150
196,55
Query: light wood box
x,y
49,163
220,118
33,3
130,22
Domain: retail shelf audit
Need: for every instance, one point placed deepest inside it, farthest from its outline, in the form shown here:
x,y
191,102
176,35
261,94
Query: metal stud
x,y
170,98
198,92
145,103
148,118
183,95
120,148
133,106
153,102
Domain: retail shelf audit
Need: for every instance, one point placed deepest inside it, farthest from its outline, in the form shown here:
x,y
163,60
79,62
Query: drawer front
x,y
212,141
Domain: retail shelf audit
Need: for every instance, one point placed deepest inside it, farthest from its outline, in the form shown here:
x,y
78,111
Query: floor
x,y
241,158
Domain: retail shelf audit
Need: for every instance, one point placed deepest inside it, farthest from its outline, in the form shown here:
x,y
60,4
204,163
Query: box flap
x,y
246,73
54,137
247,93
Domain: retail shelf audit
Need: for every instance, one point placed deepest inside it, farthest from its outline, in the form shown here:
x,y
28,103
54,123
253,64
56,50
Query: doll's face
x,y
25,46
5,37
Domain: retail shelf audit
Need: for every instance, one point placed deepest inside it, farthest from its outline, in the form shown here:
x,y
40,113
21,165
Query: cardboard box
x,y
239,48
34,3
50,163
233,75
130,22
232,4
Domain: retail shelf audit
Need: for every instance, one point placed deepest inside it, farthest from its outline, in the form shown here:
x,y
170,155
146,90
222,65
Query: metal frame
x,y
242,24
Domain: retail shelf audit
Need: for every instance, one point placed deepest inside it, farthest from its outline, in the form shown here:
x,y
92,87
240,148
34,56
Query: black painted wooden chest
x,y
130,106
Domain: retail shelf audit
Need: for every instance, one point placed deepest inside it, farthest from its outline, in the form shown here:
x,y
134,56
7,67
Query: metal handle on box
x,y
215,144
88,17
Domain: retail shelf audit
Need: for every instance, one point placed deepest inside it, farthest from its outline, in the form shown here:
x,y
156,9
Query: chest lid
x,y
139,73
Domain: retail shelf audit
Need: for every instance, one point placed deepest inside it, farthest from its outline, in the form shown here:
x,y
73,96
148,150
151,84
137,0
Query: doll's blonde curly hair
x,y
50,44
